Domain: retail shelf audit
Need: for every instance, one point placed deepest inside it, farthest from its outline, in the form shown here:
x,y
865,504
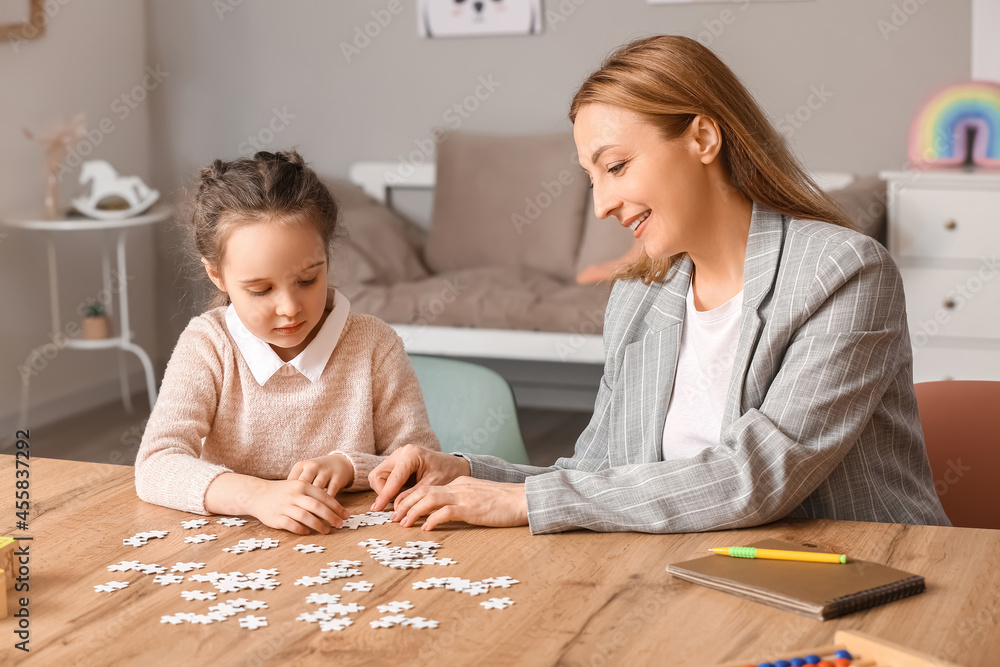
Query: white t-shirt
x,y
704,367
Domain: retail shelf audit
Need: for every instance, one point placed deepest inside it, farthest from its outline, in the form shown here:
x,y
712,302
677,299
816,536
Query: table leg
x,y
126,333
53,283
123,376
147,366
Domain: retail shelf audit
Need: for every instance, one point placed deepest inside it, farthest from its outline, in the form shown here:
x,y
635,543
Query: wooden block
x,y
7,547
884,652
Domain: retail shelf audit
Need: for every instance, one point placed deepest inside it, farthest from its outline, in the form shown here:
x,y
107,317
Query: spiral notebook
x,y
818,590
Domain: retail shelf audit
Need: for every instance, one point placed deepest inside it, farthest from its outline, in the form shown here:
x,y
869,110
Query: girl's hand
x,y
476,501
296,506
332,472
430,467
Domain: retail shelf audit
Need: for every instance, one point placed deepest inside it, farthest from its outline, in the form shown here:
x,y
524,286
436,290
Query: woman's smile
x,y
639,223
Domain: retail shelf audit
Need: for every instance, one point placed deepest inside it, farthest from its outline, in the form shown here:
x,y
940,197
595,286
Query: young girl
x,y
279,397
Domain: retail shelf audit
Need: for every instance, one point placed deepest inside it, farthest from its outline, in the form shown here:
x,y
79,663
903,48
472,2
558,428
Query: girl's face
x,y
655,186
276,278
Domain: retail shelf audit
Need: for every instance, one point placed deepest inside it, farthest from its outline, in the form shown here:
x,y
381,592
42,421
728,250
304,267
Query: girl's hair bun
x,y
290,156
214,171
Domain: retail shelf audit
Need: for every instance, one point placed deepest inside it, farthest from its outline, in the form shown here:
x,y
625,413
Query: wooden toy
x,y
850,648
7,547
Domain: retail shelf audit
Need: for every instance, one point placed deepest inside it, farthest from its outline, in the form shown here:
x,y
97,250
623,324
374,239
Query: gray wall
x,y
231,70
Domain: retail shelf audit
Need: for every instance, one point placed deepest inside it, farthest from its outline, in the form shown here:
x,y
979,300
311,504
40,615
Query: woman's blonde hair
x,y
669,79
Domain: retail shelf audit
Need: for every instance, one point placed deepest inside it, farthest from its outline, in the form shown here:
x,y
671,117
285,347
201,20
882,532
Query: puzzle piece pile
x,y
231,582
355,521
222,612
465,585
332,614
252,544
410,557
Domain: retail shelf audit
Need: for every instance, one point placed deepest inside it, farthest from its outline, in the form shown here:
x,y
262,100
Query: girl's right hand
x,y
297,507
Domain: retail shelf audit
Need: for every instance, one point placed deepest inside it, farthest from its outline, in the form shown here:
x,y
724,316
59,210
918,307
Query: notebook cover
x,y
818,590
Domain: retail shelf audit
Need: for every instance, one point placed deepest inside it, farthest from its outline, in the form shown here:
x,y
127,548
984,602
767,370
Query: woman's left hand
x,y
475,501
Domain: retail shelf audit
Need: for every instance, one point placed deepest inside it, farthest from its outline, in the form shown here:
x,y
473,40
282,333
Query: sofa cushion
x,y
381,247
490,297
506,201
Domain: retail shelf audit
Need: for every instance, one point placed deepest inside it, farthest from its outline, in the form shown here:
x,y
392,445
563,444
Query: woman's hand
x,y
476,501
430,467
332,472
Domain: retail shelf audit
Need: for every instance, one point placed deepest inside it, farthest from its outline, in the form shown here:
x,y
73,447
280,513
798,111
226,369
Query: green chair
x,y
471,408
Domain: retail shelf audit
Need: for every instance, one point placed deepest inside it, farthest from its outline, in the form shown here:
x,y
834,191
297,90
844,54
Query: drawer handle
x,y
949,304
950,225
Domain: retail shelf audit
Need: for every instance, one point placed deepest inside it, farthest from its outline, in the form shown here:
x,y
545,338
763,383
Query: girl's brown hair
x,y
668,80
277,187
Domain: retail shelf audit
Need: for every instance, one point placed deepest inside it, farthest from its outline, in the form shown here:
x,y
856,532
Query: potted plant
x,y
95,323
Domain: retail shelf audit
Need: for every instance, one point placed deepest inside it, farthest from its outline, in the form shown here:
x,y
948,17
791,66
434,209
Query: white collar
x,y
265,362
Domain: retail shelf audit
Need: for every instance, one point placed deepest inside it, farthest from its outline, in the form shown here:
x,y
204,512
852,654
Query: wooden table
x,y
584,598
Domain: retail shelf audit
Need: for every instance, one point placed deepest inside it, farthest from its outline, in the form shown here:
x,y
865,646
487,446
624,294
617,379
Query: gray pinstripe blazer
x,y
820,420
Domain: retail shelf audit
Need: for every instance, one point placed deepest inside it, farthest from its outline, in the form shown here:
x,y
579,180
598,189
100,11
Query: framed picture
x,y
469,18
22,19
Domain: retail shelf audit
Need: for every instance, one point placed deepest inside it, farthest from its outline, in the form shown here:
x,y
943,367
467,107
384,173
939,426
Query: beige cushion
x,y
488,297
379,247
603,240
507,201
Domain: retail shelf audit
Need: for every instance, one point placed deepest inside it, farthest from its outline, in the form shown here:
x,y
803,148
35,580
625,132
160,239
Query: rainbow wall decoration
x,y
956,120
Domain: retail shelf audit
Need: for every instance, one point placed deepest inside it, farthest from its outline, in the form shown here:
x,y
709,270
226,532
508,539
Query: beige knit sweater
x,y
366,404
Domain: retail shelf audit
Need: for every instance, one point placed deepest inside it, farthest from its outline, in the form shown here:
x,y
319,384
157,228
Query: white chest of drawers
x,y
944,234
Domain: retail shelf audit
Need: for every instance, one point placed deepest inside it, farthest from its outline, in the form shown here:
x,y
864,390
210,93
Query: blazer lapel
x,y
651,363
767,230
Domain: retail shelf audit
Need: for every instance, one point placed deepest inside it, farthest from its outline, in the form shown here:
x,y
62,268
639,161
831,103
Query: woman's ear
x,y
213,274
706,138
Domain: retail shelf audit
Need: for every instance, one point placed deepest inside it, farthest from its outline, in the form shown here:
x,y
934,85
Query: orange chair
x,y
961,421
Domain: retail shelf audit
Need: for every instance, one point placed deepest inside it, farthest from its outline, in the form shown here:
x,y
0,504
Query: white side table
x,y
123,341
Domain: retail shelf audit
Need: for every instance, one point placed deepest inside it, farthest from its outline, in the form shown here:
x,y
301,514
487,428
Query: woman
x,y
758,359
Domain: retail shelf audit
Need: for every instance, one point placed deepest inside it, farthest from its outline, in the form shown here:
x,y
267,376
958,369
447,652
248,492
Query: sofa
x,y
492,277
